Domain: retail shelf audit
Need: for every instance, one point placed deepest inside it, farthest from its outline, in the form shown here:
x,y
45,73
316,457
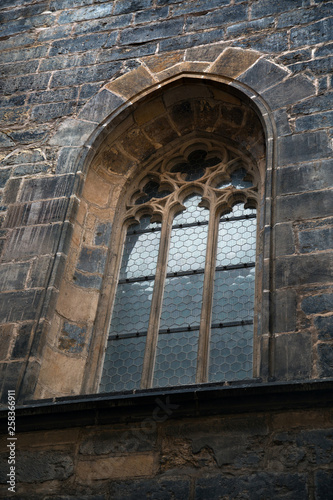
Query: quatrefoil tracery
x,y
221,179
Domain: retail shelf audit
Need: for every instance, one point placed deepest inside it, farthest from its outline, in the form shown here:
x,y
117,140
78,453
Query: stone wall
x,y
174,448
60,55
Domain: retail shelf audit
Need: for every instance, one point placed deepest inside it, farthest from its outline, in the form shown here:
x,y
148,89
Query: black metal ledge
x,y
178,402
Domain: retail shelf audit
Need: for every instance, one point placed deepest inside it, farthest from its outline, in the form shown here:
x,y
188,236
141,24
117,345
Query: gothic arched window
x,y
183,306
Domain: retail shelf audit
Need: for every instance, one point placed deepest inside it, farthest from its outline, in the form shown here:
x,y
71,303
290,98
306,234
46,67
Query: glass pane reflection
x,y
176,359
140,250
123,364
182,301
231,352
132,307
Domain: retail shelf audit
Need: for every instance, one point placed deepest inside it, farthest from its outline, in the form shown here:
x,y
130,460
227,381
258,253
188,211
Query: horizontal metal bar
x,y
192,224
188,273
189,328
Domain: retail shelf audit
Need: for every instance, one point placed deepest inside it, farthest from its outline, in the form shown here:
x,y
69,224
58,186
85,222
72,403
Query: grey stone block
x,y
324,325
89,90
322,30
5,141
72,133
314,104
185,41
79,44
269,484
30,241
23,54
293,356
319,67
125,6
18,41
107,24
87,280
245,28
106,442
284,318
282,122
25,12
271,43
152,32
4,176
47,187
23,83
289,92
318,239
324,50
217,18
13,276
31,169
19,68
85,13
127,52
295,56
320,120
13,116
68,61
30,135
150,15
47,112
263,8
11,190
43,466
53,96
304,16
198,6
284,239
159,489
262,75
325,360
303,269
318,303
100,106
54,33
304,206
102,234
92,260
19,306
20,25
323,485
40,271
21,345
67,160
308,177
303,147
77,76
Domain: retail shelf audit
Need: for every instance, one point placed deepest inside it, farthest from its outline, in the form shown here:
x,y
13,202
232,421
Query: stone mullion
x,y
207,296
156,304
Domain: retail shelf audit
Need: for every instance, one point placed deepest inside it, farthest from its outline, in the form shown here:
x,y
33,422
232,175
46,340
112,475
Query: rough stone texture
x,y
65,67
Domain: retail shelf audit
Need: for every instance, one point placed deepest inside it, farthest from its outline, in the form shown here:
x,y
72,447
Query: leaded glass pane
x,y
182,301
237,180
236,241
176,358
132,307
233,297
123,364
192,213
140,250
231,352
187,248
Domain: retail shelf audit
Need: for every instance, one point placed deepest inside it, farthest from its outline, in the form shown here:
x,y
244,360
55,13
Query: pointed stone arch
x,y
68,363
